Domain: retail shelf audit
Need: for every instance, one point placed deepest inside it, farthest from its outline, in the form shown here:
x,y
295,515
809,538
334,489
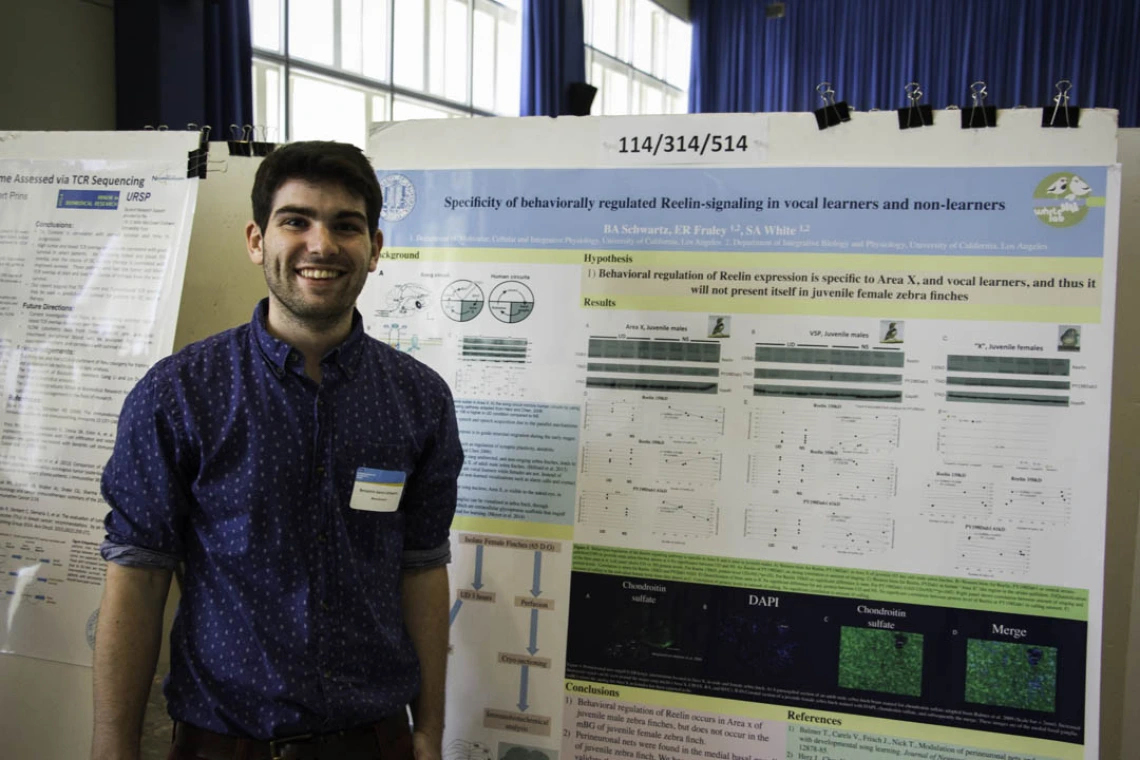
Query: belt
x,y
388,739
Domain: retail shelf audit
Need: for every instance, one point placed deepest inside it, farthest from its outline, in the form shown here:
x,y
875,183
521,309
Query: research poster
x,y
770,463
92,256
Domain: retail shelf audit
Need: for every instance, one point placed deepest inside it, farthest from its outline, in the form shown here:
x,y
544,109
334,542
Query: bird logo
x,y
1078,188
1063,199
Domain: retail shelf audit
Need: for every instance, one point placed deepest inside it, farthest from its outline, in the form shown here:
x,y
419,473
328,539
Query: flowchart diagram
x,y
508,621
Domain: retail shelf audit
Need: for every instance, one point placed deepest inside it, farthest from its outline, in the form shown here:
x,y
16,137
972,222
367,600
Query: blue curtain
x,y
228,65
553,55
870,49
183,61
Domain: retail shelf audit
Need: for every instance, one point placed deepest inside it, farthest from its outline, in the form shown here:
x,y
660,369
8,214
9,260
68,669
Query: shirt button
x,y
324,606
321,537
328,674
320,470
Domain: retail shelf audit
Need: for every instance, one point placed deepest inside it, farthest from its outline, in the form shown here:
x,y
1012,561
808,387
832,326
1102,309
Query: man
x,y
302,475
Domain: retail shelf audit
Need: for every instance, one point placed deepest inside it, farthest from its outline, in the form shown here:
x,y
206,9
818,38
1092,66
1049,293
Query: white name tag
x,y
377,490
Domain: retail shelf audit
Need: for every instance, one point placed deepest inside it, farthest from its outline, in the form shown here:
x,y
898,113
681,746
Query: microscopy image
x,y
1011,675
876,660
639,630
611,625
759,647
524,752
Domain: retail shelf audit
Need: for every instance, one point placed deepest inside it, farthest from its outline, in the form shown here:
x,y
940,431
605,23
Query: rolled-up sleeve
x,y
144,483
429,495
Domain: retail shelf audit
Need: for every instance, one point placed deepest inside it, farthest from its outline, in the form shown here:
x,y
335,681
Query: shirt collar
x,y
278,353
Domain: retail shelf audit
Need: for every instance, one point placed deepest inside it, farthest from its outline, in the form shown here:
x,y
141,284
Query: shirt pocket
x,y
376,455
376,535
383,457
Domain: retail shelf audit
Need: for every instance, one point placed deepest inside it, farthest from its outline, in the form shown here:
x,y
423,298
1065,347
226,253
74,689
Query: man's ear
x,y
377,246
254,240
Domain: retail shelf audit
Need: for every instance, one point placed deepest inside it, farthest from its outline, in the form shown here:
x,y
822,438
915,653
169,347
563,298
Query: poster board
x,y
94,230
93,252
581,301
45,710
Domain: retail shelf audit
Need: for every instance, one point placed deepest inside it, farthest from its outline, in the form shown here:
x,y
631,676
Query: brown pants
x,y
389,739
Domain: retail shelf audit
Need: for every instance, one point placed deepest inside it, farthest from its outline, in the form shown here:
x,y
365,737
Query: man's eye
x,y
293,221
350,228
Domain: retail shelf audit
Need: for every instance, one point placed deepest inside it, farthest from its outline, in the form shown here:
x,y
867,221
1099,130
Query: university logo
x,y
1063,199
399,197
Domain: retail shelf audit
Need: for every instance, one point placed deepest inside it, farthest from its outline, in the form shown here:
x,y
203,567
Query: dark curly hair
x,y
316,161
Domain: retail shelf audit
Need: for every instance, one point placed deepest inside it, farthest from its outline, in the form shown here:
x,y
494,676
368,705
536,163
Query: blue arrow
x,y
455,610
537,588
523,677
478,582
533,632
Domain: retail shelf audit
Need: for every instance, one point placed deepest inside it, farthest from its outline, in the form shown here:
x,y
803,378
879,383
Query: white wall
x,y
1126,402
57,64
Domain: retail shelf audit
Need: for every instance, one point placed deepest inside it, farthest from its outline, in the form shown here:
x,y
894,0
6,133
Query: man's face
x,y
316,252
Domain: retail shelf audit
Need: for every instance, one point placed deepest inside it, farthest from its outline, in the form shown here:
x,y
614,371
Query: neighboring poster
x,y
92,256
767,463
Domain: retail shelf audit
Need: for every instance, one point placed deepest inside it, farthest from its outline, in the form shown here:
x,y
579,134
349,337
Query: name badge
x,y
377,490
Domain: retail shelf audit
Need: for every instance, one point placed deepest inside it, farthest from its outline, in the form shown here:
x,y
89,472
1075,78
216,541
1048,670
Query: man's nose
x,y
321,240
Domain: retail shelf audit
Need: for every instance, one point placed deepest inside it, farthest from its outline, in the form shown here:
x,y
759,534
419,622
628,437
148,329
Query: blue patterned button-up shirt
x,y
231,460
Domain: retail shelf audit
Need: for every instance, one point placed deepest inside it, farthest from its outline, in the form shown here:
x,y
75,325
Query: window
x,y
326,69
637,55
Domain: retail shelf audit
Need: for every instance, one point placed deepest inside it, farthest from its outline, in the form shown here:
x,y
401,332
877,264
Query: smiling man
x,y
301,477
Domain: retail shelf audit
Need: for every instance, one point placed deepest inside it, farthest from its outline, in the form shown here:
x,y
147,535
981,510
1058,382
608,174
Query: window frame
x,y
287,65
623,60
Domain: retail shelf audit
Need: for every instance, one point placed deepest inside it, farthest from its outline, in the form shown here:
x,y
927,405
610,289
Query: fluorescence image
x,y
878,660
1011,675
759,647
521,752
638,630
613,625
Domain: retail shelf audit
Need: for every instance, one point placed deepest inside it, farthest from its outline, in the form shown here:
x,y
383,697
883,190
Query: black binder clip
x,y
239,142
914,115
1061,115
979,115
197,160
832,113
262,147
